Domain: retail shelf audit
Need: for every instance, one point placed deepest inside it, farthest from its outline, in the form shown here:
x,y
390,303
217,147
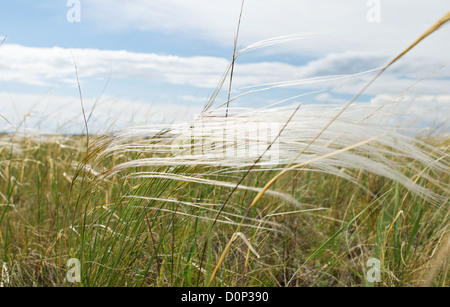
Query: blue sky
x,y
157,61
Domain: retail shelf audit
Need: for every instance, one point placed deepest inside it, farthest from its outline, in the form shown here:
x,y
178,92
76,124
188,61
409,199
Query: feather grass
x,y
154,205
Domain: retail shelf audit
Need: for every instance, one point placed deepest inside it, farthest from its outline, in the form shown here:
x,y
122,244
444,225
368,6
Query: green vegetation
x,y
136,212
54,207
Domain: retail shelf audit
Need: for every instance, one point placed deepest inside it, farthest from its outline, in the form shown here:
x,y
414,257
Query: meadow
x,y
332,190
130,230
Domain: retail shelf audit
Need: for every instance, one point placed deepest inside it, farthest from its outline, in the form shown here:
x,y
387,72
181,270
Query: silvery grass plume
x,y
233,144
336,140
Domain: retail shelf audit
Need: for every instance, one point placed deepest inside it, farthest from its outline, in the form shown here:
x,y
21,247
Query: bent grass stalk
x,y
428,32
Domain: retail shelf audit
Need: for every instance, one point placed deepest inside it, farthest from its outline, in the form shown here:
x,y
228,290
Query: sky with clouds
x,y
159,61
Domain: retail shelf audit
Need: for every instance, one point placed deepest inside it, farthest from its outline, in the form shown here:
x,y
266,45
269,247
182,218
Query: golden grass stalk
x,y
428,32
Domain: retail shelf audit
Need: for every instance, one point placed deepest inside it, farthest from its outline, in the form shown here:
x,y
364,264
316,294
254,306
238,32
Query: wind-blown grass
x,y
220,202
147,224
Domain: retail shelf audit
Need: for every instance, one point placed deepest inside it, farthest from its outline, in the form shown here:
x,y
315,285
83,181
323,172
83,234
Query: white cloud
x,y
53,66
349,62
215,21
419,110
49,66
43,66
63,114
353,46
328,98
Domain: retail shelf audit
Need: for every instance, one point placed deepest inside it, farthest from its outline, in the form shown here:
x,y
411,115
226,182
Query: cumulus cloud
x,y
42,66
46,66
50,66
215,21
